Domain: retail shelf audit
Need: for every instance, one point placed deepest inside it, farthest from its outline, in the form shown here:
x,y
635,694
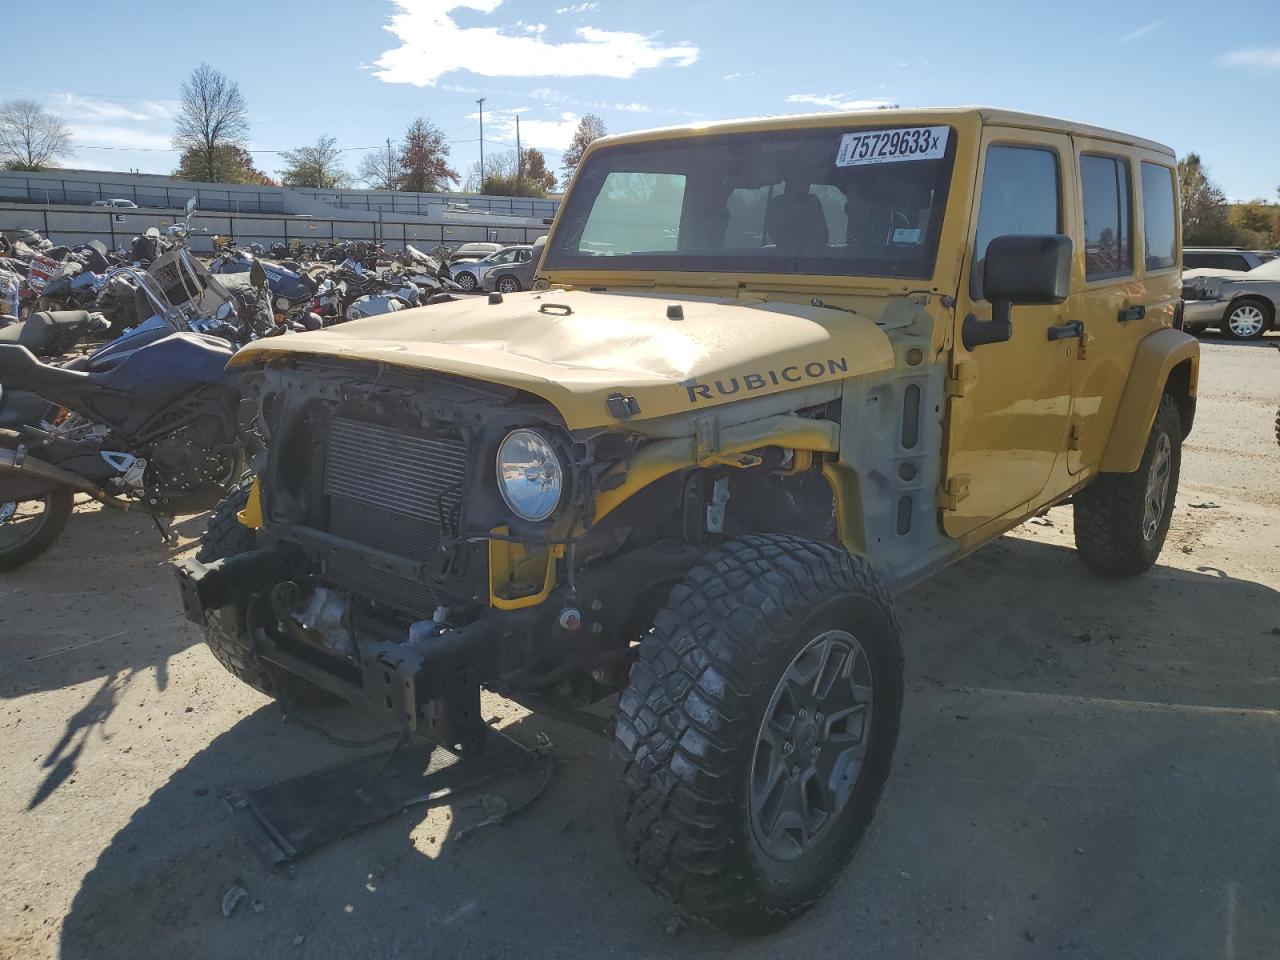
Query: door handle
x,y
1066,331
1131,313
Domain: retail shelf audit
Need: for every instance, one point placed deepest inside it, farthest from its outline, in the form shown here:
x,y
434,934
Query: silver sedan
x,y
1242,304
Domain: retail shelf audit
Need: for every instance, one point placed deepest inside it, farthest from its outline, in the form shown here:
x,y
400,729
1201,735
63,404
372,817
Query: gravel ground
x,y
1086,768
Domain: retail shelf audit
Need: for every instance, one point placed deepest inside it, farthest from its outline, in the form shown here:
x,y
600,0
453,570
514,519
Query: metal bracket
x,y
956,491
962,376
715,510
706,435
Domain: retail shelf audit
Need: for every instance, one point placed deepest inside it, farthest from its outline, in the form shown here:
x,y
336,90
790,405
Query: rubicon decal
x,y
750,382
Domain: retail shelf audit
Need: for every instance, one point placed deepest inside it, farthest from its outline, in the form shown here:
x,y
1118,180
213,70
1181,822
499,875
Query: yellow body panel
x,y
607,344
251,515
1153,361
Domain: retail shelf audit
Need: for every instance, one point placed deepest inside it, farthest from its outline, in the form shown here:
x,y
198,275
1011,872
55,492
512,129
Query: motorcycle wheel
x,y
29,528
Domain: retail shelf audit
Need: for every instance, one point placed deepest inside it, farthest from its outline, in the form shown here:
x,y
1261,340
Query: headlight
x,y
282,303
530,475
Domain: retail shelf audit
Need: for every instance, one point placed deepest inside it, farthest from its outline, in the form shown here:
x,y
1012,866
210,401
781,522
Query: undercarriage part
x,y
286,821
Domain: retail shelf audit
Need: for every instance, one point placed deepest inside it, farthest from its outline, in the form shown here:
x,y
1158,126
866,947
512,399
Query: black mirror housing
x,y
1027,270
1019,270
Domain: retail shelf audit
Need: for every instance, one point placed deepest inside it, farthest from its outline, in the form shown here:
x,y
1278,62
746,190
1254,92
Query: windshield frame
x,y
599,162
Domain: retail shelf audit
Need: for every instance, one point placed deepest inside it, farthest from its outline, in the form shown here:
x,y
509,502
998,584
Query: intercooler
x,y
394,490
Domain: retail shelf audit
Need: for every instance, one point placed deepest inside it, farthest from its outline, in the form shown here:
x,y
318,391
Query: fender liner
x,y
1166,361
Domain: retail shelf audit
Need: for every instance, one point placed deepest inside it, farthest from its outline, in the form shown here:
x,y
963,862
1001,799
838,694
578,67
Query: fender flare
x,y
1159,356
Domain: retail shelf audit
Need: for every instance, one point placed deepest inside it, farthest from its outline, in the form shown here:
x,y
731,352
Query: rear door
x,y
1011,401
1131,283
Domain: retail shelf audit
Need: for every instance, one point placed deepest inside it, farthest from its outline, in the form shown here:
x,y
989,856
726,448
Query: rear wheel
x,y
756,732
29,528
1122,519
1246,320
226,630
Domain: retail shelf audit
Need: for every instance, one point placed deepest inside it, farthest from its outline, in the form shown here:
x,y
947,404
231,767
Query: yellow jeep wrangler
x,y
773,371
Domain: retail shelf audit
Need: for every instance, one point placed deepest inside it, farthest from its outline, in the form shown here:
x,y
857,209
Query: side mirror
x,y
1023,271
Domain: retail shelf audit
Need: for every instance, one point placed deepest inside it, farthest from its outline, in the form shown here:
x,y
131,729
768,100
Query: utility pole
x,y
481,103
519,156
390,185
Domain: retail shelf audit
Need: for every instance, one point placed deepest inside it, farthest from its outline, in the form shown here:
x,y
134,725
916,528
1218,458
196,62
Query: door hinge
x,y
962,376
1073,438
957,490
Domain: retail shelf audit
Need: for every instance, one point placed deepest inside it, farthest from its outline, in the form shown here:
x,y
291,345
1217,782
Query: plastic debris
x,y
231,899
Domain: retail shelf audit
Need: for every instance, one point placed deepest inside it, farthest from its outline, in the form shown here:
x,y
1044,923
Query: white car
x,y
127,204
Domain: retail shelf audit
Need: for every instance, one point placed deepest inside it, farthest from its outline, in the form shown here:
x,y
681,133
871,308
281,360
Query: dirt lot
x,y
1086,768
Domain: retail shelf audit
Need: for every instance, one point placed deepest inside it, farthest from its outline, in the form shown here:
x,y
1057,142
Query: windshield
x,y
841,201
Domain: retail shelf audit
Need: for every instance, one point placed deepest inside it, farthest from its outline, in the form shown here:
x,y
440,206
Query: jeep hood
x,y
575,348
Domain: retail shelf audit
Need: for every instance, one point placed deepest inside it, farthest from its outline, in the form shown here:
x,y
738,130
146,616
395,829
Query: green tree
x,y
590,128
213,116
1256,224
1204,205
231,164
31,138
316,165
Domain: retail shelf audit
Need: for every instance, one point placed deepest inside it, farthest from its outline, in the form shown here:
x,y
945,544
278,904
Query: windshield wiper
x,y
815,302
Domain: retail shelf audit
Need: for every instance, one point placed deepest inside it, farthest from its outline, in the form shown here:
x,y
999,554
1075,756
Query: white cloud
x,y
432,44
578,8
116,135
1142,31
1259,58
545,134
745,75
840,101
73,106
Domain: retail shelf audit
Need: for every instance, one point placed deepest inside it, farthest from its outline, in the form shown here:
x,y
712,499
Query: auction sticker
x,y
892,146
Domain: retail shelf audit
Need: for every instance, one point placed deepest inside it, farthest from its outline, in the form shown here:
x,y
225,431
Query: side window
x,y
1021,194
1159,231
1108,239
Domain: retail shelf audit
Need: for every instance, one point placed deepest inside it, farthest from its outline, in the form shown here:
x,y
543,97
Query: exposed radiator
x,y
396,491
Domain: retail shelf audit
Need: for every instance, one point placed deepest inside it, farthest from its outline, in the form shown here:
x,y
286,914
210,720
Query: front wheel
x,y
1246,320
508,284
29,528
466,281
755,735
1122,519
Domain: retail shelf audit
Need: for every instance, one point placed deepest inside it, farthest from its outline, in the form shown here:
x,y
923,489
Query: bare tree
x,y
316,165
425,157
382,169
590,128
1204,205
31,138
214,114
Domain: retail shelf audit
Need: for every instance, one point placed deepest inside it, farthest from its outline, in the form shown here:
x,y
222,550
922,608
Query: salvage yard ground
x,y
1086,768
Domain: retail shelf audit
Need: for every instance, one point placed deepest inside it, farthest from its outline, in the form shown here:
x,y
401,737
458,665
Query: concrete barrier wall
x,y
116,228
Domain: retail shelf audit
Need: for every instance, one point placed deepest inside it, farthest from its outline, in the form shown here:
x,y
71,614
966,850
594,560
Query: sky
x,y
1198,76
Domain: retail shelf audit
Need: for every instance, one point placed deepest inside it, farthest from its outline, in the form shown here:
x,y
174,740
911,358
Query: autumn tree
x,y
31,138
534,172
231,164
424,157
590,128
213,115
1255,224
316,165
1204,205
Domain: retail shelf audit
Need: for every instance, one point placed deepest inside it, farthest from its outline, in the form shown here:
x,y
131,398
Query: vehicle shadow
x,y
551,882
113,595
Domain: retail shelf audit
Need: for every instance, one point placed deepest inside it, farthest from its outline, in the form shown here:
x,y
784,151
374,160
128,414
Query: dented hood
x,y
576,348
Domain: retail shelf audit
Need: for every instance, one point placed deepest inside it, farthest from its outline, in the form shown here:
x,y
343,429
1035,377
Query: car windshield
x,y
844,201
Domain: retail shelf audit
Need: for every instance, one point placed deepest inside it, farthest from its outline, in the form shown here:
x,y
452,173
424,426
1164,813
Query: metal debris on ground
x,y
231,899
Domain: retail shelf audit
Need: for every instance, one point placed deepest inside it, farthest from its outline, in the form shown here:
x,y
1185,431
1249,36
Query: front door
x,y
1010,403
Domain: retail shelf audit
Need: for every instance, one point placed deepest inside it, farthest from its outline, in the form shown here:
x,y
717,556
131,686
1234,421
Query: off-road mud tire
x,y
59,505
1109,512
225,630
688,722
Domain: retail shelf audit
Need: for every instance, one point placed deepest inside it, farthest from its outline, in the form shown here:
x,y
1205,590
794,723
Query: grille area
x,y
396,491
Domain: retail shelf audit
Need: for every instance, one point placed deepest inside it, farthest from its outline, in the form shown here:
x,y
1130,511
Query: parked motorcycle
x,y
291,290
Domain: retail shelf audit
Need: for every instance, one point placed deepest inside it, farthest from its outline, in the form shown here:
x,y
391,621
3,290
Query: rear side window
x,y
1020,195
1108,240
1158,225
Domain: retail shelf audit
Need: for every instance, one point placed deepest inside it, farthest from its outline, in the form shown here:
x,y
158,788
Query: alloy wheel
x,y
811,745
1246,320
1157,487
508,285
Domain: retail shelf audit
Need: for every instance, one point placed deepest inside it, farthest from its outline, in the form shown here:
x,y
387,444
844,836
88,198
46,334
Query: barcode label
x,y
892,146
